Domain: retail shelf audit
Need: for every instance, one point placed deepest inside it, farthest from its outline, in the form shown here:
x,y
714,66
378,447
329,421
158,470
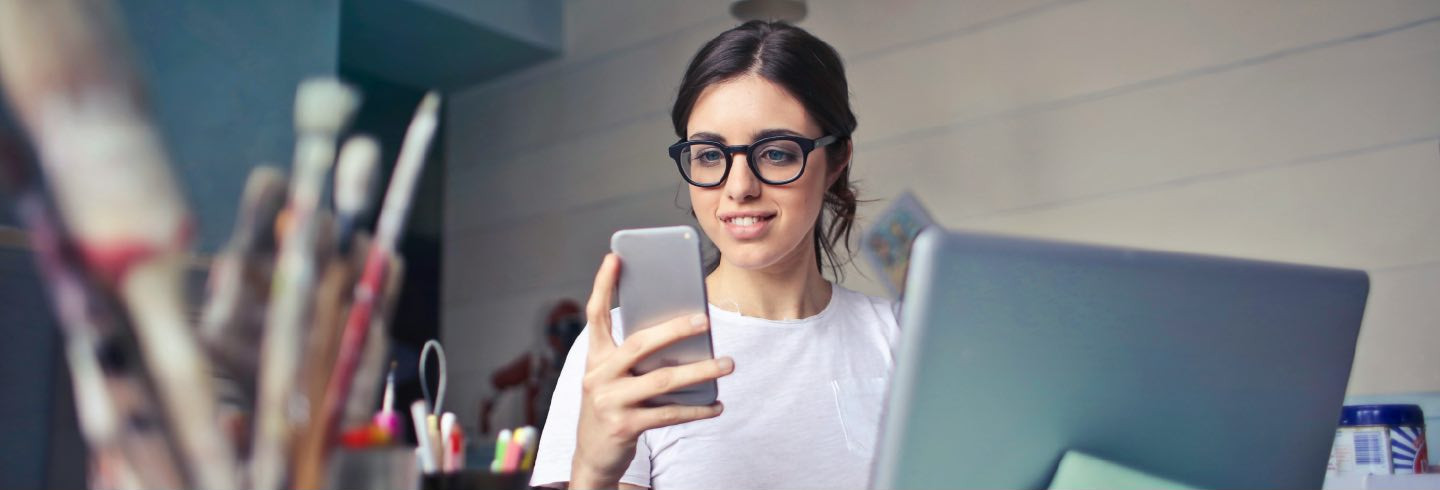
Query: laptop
x,y
1207,371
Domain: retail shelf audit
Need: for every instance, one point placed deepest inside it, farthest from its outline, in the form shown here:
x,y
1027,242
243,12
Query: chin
x,y
749,259
756,255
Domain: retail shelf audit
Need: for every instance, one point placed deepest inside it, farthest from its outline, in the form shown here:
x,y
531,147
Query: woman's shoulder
x,y
870,317
883,309
847,295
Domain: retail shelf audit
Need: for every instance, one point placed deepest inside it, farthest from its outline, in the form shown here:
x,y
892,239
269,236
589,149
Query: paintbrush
x,y
316,439
331,299
232,320
370,292
365,385
72,86
322,108
110,384
354,176
354,181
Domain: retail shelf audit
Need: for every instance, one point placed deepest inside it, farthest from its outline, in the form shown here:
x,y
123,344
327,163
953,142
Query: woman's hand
x,y
611,412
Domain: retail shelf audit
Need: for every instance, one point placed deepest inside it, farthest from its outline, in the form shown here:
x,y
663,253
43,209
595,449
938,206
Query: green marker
x,y
501,441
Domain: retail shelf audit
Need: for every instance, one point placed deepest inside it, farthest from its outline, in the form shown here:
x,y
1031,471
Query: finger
x,y
636,389
640,344
597,311
652,418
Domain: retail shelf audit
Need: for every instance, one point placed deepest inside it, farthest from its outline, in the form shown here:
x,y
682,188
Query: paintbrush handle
x,y
322,108
357,326
352,341
407,172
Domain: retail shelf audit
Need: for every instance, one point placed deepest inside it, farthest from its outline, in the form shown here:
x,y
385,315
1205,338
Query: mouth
x,y
746,226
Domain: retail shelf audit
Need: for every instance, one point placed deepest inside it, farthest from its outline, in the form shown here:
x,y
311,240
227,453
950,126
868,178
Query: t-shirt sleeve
x,y
557,439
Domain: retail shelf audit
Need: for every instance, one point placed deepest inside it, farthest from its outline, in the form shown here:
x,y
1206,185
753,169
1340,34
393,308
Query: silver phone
x,y
661,279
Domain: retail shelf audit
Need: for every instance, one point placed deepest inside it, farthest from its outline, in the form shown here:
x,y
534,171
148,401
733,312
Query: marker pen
x,y
502,440
422,436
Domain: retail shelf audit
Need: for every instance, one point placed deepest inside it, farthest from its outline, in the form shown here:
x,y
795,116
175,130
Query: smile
x,y
746,220
746,226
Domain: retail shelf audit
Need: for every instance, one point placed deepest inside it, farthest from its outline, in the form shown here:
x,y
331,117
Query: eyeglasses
x,y
776,160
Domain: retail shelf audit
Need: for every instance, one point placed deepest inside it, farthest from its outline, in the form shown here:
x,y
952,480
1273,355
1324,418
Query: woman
x,y
800,363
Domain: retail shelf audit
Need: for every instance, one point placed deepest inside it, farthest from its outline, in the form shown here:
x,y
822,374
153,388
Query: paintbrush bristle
x,y
355,174
324,105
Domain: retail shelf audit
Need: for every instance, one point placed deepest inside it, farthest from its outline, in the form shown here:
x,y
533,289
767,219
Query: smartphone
x,y
661,279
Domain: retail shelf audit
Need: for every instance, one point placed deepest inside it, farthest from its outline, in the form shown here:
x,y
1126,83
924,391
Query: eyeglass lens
x,y
776,161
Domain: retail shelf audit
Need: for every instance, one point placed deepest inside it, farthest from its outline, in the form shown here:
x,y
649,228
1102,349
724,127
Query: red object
x,y
364,437
455,458
1422,454
352,339
112,261
566,308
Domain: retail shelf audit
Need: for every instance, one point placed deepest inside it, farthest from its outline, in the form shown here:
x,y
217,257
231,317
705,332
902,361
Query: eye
x,y
777,156
710,156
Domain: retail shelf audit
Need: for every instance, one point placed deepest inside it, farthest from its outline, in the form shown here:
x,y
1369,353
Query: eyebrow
x,y
764,133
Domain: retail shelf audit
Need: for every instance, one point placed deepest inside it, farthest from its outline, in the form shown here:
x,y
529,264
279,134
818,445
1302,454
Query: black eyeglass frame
x,y
807,145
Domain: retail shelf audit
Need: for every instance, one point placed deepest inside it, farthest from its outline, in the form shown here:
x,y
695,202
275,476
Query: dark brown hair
x,y
810,70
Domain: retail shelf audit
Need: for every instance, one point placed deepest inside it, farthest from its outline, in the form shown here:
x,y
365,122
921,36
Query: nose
x,y
741,185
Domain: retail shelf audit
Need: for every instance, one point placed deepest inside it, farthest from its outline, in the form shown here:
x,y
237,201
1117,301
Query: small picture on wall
x,y
887,242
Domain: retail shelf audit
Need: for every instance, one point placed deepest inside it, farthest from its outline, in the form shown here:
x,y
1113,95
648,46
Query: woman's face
x,y
754,224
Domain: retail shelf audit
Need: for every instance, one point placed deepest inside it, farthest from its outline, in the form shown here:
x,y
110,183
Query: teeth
x,y
744,220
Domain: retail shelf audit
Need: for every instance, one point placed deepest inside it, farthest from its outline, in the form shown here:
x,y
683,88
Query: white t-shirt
x,y
801,408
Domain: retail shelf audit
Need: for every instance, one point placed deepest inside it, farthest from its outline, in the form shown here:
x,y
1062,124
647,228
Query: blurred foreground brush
x,y
115,400
80,102
233,318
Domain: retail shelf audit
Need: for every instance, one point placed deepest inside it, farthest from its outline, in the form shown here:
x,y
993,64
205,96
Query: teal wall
x,y
447,44
222,75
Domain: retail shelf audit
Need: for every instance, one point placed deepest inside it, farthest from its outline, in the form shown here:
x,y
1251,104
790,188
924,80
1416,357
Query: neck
x,y
788,290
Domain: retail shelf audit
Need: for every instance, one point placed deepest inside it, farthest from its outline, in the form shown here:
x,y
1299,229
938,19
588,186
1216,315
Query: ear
x,y
835,173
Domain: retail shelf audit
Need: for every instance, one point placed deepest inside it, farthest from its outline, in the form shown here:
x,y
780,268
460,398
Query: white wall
x,y
1295,130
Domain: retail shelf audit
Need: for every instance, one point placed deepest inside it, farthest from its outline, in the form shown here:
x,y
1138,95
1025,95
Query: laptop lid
x,y
1214,372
